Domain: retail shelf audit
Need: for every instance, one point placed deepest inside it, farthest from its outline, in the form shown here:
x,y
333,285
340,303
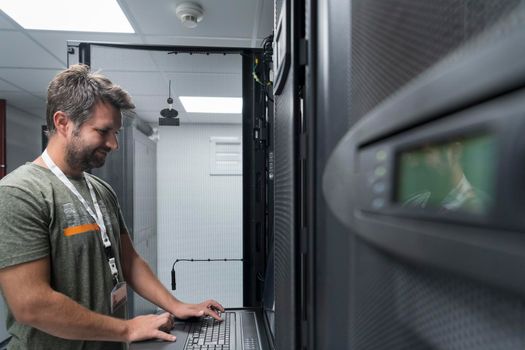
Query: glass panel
x,y
454,176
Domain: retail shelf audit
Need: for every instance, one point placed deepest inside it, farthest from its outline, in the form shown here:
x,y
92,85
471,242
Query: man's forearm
x,y
41,307
143,281
61,316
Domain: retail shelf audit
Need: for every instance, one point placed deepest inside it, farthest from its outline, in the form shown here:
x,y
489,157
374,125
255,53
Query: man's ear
x,y
62,122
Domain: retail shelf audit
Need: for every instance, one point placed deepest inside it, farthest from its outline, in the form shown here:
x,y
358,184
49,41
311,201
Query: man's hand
x,y
206,308
143,281
150,327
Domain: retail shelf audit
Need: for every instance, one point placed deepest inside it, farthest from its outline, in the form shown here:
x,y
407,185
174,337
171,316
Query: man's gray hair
x,y
75,91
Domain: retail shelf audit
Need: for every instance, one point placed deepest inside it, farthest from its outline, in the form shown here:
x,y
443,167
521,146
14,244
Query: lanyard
x,y
99,219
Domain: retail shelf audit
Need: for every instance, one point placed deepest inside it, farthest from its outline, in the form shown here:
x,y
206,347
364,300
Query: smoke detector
x,y
189,13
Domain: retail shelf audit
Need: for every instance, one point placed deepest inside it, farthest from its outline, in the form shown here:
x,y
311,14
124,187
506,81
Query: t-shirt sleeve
x,y
24,232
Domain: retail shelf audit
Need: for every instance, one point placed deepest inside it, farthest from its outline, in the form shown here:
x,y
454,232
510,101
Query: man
x,y
65,253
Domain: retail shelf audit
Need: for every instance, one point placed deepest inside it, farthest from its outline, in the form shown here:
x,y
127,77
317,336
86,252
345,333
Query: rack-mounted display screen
x,y
456,175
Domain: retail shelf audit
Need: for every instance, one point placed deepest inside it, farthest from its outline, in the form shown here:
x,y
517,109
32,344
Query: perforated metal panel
x,y
284,218
396,305
395,41
392,303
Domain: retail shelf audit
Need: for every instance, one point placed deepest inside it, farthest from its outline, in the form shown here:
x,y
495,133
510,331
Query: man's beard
x,y
84,158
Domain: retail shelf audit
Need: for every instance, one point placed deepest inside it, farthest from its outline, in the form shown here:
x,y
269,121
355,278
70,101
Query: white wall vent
x,y
225,156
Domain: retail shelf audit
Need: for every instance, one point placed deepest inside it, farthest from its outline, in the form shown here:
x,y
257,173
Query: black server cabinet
x,y
383,69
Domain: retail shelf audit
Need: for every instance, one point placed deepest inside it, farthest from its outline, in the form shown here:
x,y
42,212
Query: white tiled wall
x,y
199,215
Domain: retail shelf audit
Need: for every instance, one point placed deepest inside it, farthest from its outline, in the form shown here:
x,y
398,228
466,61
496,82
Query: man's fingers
x,y
165,315
151,327
214,309
165,322
215,315
216,306
164,336
212,312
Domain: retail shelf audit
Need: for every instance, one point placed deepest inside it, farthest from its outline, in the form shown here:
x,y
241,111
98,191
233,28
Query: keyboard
x,y
208,333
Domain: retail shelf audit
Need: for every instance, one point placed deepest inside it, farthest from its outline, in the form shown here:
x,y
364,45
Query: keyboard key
x,y
211,334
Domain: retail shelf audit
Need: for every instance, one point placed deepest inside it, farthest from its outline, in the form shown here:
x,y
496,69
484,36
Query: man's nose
x,y
112,142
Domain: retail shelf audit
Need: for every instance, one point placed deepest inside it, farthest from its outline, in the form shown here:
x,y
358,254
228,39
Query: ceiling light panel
x,y
223,105
68,15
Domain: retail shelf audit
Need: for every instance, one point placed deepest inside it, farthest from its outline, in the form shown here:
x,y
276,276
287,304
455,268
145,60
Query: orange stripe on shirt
x,y
75,230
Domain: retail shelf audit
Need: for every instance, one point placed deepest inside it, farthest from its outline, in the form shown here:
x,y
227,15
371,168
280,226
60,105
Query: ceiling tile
x,y
38,112
152,102
5,21
206,84
225,18
25,102
30,59
119,59
265,20
6,85
33,80
56,41
20,51
139,83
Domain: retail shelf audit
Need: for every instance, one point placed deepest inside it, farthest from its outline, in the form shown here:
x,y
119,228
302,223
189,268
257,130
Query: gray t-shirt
x,y
40,217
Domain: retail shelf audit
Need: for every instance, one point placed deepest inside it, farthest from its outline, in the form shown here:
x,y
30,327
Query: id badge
x,y
118,297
